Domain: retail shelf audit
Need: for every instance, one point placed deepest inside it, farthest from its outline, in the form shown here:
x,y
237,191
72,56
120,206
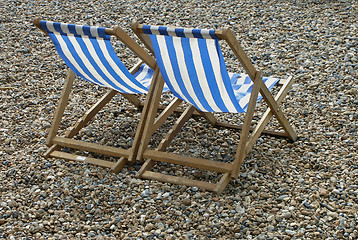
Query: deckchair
x,y
193,67
88,53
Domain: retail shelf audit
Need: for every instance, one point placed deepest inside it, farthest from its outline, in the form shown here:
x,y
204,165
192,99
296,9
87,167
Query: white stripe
x,y
205,34
70,57
244,88
86,61
171,32
64,28
154,30
184,71
118,70
244,101
79,29
99,63
168,67
143,73
50,27
188,33
94,31
214,59
200,72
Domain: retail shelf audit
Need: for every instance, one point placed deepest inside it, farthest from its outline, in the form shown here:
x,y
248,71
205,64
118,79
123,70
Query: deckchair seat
x,y
194,69
88,52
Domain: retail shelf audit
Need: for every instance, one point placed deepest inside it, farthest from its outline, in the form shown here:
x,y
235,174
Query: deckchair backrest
x,y
193,67
88,52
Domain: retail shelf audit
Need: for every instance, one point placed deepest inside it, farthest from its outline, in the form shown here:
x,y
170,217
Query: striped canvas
x,y
194,69
88,52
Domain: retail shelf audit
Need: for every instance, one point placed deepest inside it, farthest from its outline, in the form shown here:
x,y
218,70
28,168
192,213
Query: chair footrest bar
x,y
201,163
78,158
267,132
91,147
178,180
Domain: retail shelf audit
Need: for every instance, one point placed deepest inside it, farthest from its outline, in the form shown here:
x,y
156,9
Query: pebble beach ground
x,y
302,190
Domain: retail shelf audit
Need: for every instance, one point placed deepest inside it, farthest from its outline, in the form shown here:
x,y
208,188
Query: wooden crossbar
x,y
91,147
178,180
188,161
78,158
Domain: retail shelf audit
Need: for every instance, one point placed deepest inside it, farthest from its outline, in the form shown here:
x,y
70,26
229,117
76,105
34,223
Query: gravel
x,y
302,190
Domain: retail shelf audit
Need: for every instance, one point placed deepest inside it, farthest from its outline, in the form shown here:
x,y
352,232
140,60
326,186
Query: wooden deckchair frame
x,y
55,143
246,142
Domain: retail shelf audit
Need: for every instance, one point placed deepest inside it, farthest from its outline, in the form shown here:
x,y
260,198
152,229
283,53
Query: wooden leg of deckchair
x,y
133,99
85,118
169,137
240,154
221,185
61,106
165,114
148,117
273,105
268,114
117,167
209,117
158,122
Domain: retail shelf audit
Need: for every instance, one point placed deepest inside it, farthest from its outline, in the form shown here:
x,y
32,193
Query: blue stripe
x,y
110,69
125,71
93,63
146,29
163,30
180,32
66,60
210,75
86,30
79,61
197,33
188,56
212,34
161,65
72,29
226,79
175,66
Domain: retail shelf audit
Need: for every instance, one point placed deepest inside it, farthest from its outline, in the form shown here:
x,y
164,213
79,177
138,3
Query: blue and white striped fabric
x,y
88,52
194,69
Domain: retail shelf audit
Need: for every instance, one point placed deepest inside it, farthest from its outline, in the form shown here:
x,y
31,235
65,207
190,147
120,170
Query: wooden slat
x,y
51,149
61,106
209,117
143,132
178,180
277,112
138,50
268,114
118,166
144,38
179,123
240,153
91,147
78,158
153,103
188,161
221,185
165,114
239,127
148,164
228,35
